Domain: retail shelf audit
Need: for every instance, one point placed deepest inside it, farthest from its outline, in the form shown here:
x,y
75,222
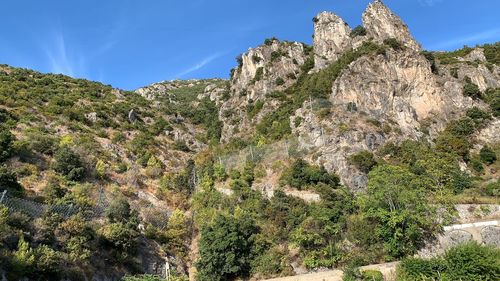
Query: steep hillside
x,y
345,153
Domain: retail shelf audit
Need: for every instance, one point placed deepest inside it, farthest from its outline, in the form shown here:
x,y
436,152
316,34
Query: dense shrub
x,y
363,160
254,108
472,90
469,261
394,203
259,73
226,248
121,238
8,181
492,97
6,142
479,116
358,31
394,44
432,60
69,164
302,175
487,155
119,210
492,53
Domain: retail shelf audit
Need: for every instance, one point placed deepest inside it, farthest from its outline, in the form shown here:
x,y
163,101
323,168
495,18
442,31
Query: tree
x,y
23,258
226,248
69,164
177,230
76,235
395,202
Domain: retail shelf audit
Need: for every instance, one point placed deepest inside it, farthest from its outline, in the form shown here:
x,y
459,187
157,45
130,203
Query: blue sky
x,y
129,43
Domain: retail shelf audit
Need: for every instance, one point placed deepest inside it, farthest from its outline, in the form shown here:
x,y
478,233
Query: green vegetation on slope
x,y
464,262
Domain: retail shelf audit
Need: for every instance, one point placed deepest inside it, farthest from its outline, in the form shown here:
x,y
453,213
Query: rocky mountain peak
x,y
381,23
331,38
268,67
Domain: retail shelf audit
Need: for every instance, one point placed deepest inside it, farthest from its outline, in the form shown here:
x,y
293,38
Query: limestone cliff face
x,y
399,85
381,23
331,38
390,95
273,66
398,91
268,68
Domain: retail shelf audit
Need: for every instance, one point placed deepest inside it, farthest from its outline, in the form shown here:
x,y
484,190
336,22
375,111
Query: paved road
x,y
332,275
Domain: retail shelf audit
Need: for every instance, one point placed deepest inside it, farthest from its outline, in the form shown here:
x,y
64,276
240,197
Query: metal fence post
x,y
3,195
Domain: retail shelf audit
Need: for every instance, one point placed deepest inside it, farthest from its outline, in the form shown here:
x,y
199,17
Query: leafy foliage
x,y
487,155
301,175
464,262
403,221
226,248
69,164
6,143
358,31
363,160
472,90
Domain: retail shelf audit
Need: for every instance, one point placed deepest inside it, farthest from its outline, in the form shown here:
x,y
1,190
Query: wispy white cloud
x,y
429,3
61,60
469,39
199,65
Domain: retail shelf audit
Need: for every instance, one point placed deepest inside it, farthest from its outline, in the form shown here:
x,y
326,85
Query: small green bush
x,y
472,90
358,31
488,156
363,160
8,181
6,142
394,44
181,145
479,116
371,275
69,164
259,73
301,175
280,81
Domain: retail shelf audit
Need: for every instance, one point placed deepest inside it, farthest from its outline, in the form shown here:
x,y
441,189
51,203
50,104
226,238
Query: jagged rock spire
x,y
381,23
331,38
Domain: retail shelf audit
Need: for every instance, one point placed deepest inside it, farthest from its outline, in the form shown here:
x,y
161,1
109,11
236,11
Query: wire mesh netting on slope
x,y
291,147
155,216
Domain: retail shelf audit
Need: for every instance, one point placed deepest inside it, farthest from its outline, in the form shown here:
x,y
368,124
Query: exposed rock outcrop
x,y
271,67
268,67
381,23
331,38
